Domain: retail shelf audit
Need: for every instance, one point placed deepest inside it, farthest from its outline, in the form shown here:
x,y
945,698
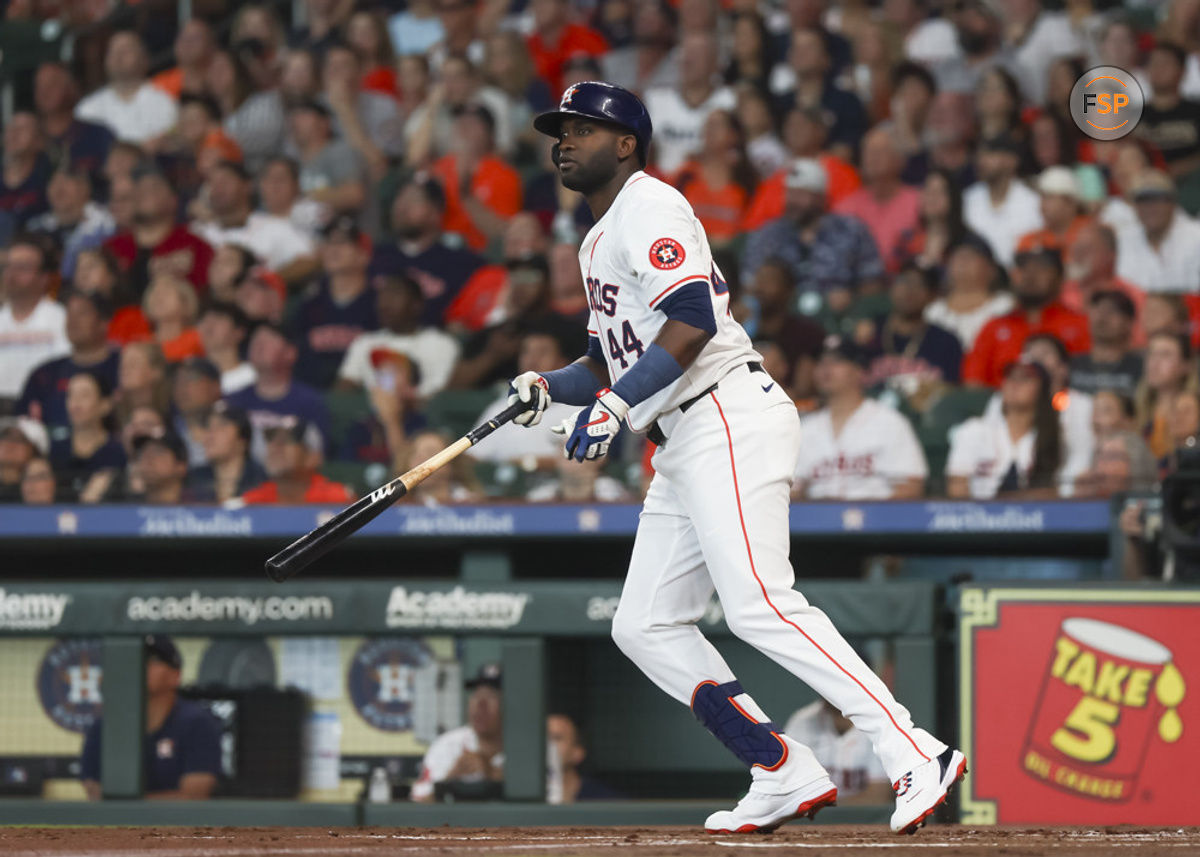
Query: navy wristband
x,y
653,371
572,385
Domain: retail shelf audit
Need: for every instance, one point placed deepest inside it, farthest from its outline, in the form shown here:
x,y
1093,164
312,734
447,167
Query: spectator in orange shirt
x,y
1092,268
194,50
1062,215
719,180
482,191
171,308
805,131
292,467
367,34
1036,286
98,271
555,38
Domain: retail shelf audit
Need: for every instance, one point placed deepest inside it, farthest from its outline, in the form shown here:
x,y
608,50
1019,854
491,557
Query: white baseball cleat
x,y
924,789
759,812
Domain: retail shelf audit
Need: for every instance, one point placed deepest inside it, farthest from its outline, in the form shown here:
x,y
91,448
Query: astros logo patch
x,y
383,681
68,683
666,254
567,96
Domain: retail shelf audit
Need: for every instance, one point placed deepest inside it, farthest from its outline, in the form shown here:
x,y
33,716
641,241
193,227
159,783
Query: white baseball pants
x,y
716,516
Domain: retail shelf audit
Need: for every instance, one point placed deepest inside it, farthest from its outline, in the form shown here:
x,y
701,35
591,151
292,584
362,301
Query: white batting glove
x,y
591,432
523,386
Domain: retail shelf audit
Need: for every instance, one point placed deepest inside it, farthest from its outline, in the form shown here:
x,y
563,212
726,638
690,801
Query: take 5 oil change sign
x,y
1080,706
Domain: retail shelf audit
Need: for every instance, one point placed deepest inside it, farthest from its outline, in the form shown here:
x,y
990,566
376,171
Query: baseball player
x,y
666,358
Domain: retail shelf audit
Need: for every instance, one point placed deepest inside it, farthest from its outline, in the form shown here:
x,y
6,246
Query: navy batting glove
x,y
591,433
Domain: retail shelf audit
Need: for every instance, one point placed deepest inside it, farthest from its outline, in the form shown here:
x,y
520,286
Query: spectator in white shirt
x,y
279,196
999,206
1038,37
130,106
855,448
32,325
679,113
845,752
429,353
971,299
926,40
1161,253
284,248
471,754
1017,451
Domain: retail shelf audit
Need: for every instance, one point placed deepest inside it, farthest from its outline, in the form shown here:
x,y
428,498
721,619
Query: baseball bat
x,y
316,543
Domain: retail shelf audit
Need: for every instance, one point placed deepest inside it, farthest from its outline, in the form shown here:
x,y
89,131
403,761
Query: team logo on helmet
x,y
68,683
568,95
666,254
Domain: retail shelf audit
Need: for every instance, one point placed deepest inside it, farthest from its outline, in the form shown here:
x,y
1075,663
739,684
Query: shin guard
x,y
737,722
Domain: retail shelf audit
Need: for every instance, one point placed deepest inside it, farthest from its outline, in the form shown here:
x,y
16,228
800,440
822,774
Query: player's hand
x,y
532,388
593,430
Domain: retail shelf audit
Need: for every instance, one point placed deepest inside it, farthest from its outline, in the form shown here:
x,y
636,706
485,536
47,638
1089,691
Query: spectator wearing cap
x,y
25,169
400,342
470,754
886,205
228,471
913,357
490,355
276,395
74,221
806,81
1111,364
680,111
1170,121
1062,211
971,298
556,37
805,131
775,320
44,396
182,745
193,51
828,253
369,121
223,330
22,439
157,241
261,295
652,58
341,307
331,172
482,191
281,246
279,197
130,106
159,467
170,305
1016,449
1036,288
89,459
855,448
1092,267
196,387
84,145
291,465
999,206
1161,252
421,250
32,325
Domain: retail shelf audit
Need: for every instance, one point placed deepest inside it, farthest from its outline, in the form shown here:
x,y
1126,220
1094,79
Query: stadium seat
x,y
955,406
347,408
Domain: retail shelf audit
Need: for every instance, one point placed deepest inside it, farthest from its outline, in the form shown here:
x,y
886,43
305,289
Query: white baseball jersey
x,y
648,245
1079,440
982,450
875,449
443,755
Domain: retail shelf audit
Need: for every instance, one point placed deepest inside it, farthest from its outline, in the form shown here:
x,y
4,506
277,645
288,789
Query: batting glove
x,y
594,428
523,387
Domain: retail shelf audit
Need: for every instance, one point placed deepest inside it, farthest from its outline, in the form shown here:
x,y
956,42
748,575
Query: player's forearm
x,y
682,341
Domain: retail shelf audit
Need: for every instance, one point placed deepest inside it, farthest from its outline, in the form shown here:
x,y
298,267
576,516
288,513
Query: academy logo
x,y
68,683
31,611
457,608
382,681
666,254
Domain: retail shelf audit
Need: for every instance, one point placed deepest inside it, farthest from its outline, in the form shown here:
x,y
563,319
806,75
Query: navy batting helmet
x,y
605,102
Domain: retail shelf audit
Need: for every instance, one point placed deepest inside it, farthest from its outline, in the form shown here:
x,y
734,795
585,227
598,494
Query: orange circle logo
x,y
1107,102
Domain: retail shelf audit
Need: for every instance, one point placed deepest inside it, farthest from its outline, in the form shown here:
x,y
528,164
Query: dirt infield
x,y
588,842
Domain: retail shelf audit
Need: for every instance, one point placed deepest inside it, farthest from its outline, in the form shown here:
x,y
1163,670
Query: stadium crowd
x,y
248,259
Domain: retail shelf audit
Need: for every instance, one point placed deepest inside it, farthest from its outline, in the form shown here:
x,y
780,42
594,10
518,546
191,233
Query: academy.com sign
x,y
457,608
195,607
31,611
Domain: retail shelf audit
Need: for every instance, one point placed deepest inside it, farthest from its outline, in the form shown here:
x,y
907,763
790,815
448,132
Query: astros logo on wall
x,y
666,254
68,683
382,681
